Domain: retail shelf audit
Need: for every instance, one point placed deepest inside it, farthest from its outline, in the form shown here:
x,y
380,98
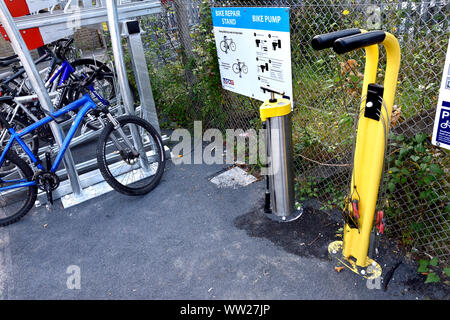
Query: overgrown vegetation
x,y
174,99
430,269
418,179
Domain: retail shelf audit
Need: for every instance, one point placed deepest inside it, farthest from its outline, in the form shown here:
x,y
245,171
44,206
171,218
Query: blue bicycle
x,y
130,157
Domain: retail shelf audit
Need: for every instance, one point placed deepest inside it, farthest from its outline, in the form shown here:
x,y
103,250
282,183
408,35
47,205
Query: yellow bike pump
x,y
280,196
372,130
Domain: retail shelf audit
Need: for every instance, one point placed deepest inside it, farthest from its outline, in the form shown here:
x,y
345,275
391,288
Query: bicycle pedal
x,y
49,197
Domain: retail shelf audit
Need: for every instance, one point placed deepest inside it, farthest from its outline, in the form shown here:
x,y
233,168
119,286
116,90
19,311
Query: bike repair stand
x,y
280,197
373,127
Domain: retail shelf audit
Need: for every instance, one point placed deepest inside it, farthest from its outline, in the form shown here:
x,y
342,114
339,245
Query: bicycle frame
x,y
49,55
65,71
85,103
21,71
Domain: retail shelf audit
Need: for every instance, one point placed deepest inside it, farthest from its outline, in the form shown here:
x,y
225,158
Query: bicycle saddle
x,y
6,99
6,63
9,58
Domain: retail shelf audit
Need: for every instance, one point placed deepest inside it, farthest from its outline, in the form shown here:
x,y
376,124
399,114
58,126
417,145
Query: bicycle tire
x,y
97,65
107,74
73,93
223,46
19,125
105,170
31,192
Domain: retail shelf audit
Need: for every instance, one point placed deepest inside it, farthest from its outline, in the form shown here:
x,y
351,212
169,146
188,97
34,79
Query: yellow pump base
x,y
371,271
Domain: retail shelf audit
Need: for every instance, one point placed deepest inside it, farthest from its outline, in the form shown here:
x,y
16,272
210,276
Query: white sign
x,y
254,50
441,131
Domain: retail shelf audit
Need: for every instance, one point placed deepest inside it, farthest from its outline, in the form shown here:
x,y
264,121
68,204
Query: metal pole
x,y
116,43
280,167
23,53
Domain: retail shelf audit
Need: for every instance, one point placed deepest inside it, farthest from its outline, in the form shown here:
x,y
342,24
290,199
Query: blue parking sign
x,y
441,130
443,125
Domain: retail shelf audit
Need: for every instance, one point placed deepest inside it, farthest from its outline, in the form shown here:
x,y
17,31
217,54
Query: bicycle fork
x,y
137,151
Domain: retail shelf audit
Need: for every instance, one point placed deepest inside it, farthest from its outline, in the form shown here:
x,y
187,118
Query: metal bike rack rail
x,y
88,16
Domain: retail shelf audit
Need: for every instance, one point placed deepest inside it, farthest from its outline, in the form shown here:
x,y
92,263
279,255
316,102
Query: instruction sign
x,y
441,131
254,50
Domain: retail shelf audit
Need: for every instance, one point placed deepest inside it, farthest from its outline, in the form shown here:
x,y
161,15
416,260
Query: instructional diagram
x,y
441,131
254,51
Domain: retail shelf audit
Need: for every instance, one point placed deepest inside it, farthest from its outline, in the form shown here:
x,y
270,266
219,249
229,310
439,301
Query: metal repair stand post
x,y
371,141
20,48
280,197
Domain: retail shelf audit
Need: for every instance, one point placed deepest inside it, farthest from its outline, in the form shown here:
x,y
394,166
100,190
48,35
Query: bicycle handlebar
x,y
326,40
68,42
358,41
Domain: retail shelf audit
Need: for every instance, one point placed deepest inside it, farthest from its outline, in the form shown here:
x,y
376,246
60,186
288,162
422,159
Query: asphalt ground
x,y
187,239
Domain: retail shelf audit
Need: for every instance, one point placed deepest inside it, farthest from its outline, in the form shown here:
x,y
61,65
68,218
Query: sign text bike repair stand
x,y
254,50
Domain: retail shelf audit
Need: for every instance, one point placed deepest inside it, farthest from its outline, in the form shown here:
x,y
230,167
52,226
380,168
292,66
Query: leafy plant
x,y
414,181
424,268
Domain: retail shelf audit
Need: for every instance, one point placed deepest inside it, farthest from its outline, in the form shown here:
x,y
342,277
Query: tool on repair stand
x,y
373,122
280,197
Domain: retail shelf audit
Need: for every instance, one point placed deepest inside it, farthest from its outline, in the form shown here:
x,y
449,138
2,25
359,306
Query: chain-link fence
x,y
327,90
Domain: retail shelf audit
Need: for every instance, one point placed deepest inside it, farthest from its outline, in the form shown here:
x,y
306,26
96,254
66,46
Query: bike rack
x,y
80,188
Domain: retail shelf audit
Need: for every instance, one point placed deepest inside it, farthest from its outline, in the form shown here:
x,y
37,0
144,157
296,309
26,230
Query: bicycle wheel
x,y
103,86
31,140
15,203
19,122
244,69
223,46
125,171
236,68
104,83
233,46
